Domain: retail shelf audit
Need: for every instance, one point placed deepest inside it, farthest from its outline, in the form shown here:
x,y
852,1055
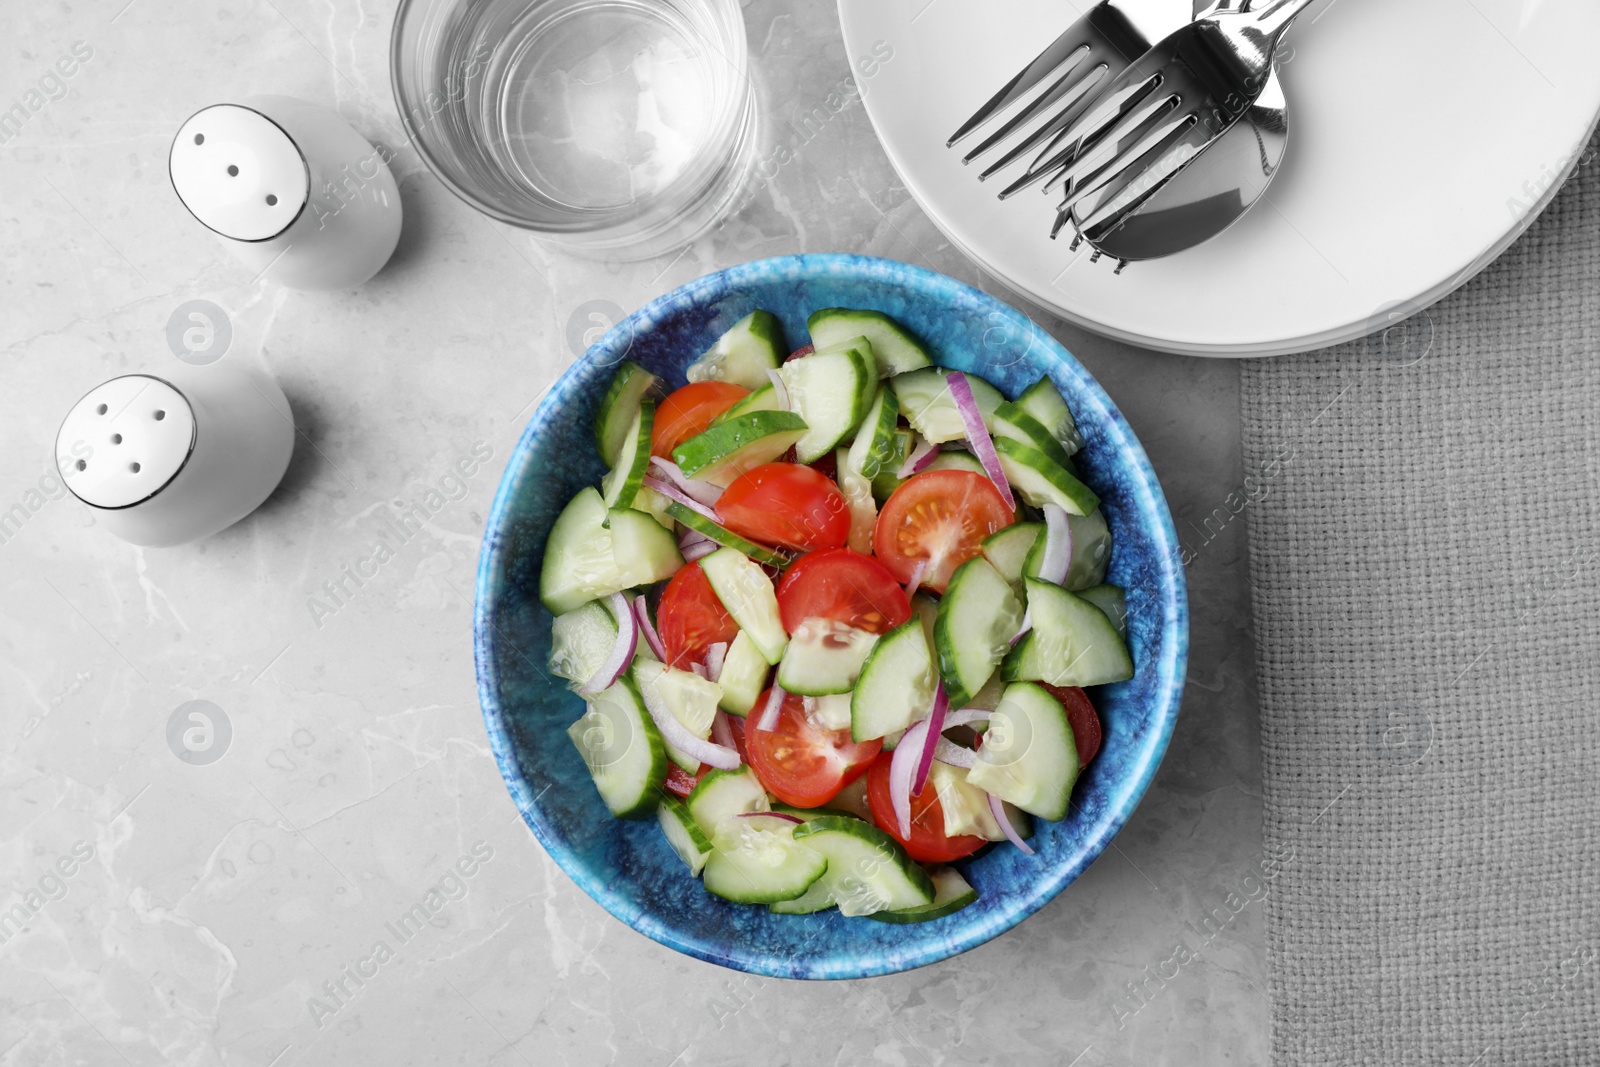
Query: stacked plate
x,y
1425,137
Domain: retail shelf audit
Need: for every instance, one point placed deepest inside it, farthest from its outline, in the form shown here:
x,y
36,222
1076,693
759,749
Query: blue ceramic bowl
x,y
627,866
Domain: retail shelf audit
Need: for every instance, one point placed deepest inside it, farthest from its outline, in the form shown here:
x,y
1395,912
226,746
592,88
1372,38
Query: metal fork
x,y
1162,112
1089,53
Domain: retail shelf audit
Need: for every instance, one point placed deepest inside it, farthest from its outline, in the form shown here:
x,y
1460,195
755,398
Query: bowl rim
x,y
1171,666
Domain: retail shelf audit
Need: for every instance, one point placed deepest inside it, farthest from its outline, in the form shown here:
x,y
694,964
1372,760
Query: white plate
x,y
1424,137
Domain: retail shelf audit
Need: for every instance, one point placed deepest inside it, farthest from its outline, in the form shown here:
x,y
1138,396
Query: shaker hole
x,y
160,415
81,464
271,200
134,467
233,171
101,410
116,438
199,138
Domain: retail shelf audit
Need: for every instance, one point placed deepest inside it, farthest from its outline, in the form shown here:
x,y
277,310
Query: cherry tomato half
x,y
1082,717
680,783
786,504
843,586
938,518
688,411
927,842
690,618
798,761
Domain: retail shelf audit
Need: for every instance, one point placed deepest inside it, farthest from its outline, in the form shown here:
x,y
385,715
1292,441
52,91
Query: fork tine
x,y
1116,205
1079,95
1097,140
1132,170
1054,54
1081,134
1059,88
1117,148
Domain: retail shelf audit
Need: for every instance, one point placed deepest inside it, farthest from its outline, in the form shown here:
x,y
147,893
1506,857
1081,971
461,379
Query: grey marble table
x,y
231,913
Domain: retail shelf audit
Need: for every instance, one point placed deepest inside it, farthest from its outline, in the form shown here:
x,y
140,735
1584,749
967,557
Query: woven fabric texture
x,y
1425,557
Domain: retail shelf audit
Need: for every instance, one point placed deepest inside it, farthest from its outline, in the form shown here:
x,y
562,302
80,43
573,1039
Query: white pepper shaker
x,y
294,192
163,459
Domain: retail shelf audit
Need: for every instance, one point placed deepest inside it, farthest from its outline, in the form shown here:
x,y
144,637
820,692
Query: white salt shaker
x,y
299,196
171,458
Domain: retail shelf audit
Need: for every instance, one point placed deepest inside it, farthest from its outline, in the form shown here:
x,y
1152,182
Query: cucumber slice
x,y
1011,421
622,749
724,536
756,860
824,657
1091,552
926,403
951,893
743,677
894,350
956,460
926,608
896,684
818,898
857,492
723,452
654,505
1072,642
832,711
978,616
743,355
746,591
1043,401
691,843
723,794
867,870
965,806
1008,549
580,641
621,485
874,446
642,550
830,392
807,814
1040,481
762,399
688,697
1112,601
1028,756
888,478
592,552
629,386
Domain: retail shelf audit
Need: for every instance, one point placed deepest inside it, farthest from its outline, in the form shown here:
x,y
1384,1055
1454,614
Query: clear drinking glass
x,y
616,128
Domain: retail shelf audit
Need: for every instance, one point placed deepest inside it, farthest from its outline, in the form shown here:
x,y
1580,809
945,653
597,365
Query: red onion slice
x,y
916,578
1057,545
700,669
923,454
779,388
902,768
622,650
716,655
1006,828
677,735
932,730
769,714
722,731
704,492
673,493
699,550
1027,624
978,435
651,638
947,751
966,716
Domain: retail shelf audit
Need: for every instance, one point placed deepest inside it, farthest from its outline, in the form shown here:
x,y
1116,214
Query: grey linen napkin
x,y
1425,556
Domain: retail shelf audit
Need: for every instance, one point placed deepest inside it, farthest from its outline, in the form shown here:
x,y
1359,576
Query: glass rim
x,y
734,124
